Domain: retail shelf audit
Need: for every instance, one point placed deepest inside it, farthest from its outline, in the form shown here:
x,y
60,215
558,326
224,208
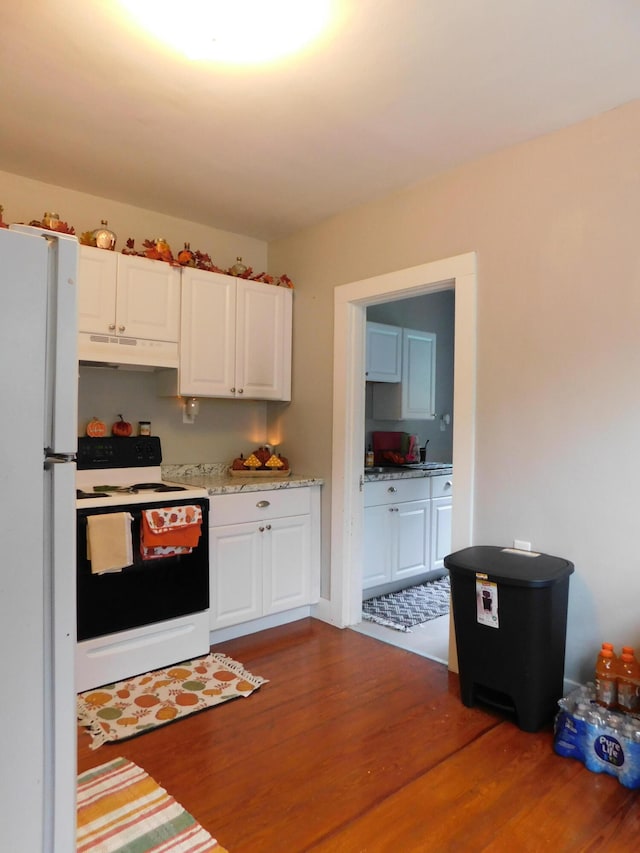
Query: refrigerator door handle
x,y
51,458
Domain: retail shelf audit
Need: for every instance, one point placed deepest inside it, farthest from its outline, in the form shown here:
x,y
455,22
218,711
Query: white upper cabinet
x,y
235,338
384,353
413,398
127,296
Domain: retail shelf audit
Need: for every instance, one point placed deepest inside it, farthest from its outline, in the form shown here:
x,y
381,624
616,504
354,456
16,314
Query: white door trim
x,y
344,607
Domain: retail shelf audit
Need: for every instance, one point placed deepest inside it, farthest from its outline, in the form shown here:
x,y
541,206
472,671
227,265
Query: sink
x,y
413,466
428,466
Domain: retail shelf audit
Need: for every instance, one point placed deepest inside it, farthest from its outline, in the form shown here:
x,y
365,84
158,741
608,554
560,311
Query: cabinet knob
x,y
262,504
448,484
121,328
261,529
233,390
112,327
392,489
393,509
240,390
268,527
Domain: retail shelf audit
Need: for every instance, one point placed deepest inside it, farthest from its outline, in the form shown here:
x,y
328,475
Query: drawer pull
x,y
262,504
392,489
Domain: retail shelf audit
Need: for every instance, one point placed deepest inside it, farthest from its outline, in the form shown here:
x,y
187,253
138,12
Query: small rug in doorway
x,y
402,610
121,809
127,708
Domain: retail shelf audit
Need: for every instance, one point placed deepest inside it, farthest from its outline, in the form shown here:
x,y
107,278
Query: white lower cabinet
x,y
264,553
407,532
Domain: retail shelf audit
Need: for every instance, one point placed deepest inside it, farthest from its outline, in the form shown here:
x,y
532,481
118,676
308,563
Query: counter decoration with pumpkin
x,y
261,463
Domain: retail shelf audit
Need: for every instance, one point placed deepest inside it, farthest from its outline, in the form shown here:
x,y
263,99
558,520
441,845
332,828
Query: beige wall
x,y
554,223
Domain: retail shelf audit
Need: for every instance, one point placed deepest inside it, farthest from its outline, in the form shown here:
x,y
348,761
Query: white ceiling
x,y
397,91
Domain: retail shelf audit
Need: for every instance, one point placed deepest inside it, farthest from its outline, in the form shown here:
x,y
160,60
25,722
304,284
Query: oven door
x,y
148,591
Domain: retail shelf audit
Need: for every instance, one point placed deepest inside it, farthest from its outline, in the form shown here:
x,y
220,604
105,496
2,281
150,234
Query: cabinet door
x,y
419,374
263,344
148,301
97,273
235,553
286,544
376,567
384,353
441,512
208,334
411,541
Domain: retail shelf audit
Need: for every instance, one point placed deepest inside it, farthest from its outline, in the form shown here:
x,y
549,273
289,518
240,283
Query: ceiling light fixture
x,y
238,31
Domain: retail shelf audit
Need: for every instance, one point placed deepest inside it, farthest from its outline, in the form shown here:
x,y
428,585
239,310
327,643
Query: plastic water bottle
x,y
628,684
606,677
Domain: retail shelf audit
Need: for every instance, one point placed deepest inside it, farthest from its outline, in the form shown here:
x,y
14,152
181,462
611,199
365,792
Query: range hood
x,y
117,352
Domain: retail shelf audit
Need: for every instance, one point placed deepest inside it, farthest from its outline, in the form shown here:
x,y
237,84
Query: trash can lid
x,y
518,568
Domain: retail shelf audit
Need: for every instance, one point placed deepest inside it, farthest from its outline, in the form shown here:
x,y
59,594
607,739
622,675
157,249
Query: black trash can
x,y
510,615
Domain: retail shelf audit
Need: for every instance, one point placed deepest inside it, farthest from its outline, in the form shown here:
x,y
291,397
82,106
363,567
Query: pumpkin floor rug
x,y
121,809
127,708
413,606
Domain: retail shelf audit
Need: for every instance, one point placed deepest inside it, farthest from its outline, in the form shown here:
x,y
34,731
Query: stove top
x,y
120,471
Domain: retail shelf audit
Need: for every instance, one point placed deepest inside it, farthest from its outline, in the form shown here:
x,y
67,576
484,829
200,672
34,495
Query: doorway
x,y
343,606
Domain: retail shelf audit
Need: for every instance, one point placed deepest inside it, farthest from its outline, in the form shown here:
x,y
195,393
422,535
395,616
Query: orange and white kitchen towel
x,y
170,531
109,544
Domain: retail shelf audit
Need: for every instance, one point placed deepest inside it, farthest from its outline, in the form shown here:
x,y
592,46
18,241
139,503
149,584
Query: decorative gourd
x,y
252,462
274,462
96,428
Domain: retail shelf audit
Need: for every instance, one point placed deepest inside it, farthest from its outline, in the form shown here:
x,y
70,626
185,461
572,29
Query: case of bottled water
x,y
605,741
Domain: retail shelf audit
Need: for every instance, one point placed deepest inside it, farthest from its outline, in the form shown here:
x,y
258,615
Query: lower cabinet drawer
x,y
257,506
442,487
392,491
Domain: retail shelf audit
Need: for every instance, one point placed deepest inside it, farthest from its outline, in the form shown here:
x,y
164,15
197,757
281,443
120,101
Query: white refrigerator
x,y
38,440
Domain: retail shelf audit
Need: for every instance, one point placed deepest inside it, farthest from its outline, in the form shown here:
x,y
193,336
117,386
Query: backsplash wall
x,y
222,430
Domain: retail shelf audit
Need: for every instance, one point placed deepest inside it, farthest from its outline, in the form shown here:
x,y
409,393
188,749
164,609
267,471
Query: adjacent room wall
x,y
554,223
433,312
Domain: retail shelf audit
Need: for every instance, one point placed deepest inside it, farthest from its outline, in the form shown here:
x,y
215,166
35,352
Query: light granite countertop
x,y
215,478
407,473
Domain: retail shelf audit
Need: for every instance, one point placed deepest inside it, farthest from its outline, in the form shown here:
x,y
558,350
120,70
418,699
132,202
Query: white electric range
x,y
153,612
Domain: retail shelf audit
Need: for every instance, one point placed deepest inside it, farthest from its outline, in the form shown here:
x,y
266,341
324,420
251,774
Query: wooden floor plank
x,y
355,745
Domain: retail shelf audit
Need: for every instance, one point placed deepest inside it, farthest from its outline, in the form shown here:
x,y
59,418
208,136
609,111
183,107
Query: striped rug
x,y
413,606
121,809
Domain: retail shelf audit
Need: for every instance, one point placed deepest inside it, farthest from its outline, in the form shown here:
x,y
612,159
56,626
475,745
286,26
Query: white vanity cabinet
x,y
127,296
441,511
413,398
397,530
235,338
384,353
264,553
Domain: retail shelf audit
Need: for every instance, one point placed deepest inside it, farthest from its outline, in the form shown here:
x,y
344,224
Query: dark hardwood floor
x,y
355,745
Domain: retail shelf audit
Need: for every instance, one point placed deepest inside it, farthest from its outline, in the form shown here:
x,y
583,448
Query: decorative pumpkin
x,y
263,455
121,428
96,428
238,463
285,462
